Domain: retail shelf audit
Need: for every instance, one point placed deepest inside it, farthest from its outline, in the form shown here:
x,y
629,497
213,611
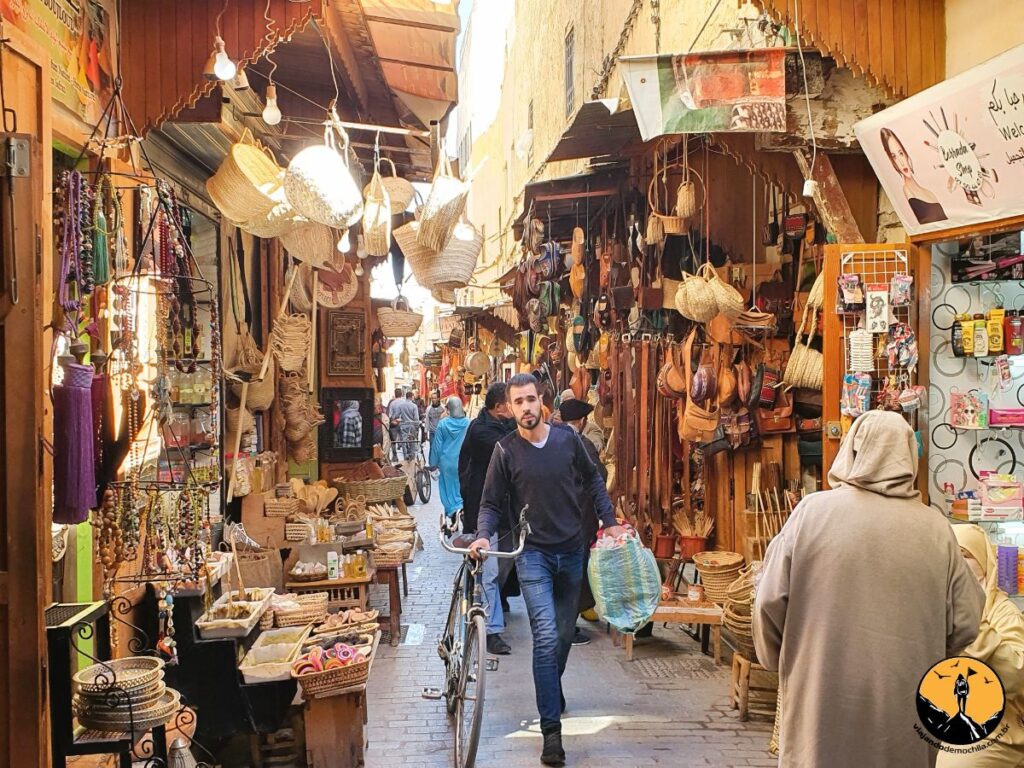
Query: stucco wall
x,y
977,30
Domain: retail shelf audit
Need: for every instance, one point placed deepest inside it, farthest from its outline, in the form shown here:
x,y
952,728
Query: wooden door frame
x,y
24,586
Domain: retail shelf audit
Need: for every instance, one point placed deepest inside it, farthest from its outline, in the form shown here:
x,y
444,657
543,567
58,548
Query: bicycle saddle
x,y
463,540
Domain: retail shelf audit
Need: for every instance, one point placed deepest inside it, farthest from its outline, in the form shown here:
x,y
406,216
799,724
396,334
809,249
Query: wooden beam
x,y
420,65
829,198
414,24
574,195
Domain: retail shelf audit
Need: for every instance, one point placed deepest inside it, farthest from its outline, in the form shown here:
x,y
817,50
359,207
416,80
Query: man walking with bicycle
x,y
546,467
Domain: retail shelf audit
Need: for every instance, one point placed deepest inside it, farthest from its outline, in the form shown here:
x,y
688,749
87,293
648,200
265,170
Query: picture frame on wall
x,y
347,431
346,343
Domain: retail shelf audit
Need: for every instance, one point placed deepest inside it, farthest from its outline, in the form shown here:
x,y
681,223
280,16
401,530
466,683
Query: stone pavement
x,y
668,707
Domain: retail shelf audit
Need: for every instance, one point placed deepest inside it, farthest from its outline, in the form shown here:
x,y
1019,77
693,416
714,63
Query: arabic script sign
x,y
953,155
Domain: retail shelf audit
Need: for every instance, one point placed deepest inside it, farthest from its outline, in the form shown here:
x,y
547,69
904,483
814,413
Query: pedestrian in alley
x,y
575,414
545,466
433,415
492,423
862,591
444,454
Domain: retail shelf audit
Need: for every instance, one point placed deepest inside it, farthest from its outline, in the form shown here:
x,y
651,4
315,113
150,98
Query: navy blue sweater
x,y
552,481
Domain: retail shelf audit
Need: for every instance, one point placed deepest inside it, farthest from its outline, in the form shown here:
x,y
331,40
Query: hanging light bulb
x,y
240,82
219,66
345,243
361,247
271,112
359,269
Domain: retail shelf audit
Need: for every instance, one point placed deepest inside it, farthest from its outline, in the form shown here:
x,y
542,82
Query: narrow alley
x,y
670,706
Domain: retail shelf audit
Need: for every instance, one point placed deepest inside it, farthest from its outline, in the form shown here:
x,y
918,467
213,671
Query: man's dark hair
x,y
398,391
495,395
409,394
521,380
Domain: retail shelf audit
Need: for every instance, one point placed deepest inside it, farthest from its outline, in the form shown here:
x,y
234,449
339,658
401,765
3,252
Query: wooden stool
x,y
753,689
391,577
705,615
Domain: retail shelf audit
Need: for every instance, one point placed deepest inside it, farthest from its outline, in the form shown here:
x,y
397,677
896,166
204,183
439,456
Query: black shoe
x,y
553,754
580,637
497,646
505,607
647,630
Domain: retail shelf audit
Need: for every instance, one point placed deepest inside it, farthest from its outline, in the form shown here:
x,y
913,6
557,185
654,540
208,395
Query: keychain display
x,y
851,294
902,346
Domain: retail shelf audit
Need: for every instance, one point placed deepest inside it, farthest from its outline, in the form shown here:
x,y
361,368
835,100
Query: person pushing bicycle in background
x,y
545,467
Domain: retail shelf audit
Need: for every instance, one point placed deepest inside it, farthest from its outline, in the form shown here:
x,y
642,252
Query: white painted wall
x,y
977,30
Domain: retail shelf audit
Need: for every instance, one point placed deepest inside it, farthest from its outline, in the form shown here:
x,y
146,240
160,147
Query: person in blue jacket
x,y
444,454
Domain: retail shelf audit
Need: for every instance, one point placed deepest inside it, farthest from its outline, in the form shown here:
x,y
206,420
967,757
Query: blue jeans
x,y
492,592
551,589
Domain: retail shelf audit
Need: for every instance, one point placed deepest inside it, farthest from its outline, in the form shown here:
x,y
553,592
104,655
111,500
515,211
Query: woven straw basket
x,y
400,191
453,267
319,183
443,207
312,243
687,202
730,301
289,341
443,295
377,217
694,298
333,680
670,225
276,222
398,321
718,570
248,183
260,393
233,418
313,610
375,491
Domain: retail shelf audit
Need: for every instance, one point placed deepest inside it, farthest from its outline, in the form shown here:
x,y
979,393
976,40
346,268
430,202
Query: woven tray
x,y
283,507
139,719
134,673
313,611
296,531
384,559
384,489
333,680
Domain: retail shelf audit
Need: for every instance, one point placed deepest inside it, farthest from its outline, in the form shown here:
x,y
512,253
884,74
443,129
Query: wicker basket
x,y
312,243
400,191
729,300
695,300
326,683
391,559
443,207
670,225
319,183
289,341
453,267
443,295
718,570
248,184
234,418
267,618
374,491
280,220
283,507
260,394
398,321
297,531
377,217
313,610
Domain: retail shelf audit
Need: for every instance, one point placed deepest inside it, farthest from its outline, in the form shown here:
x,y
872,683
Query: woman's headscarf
x,y
879,455
455,409
973,539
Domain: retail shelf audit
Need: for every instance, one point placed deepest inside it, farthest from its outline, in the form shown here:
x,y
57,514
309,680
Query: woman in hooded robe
x,y
862,591
444,454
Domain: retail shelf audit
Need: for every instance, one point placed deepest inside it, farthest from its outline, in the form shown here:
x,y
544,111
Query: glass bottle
x,y
980,336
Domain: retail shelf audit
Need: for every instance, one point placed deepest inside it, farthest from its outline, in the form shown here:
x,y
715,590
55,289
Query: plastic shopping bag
x,y
625,580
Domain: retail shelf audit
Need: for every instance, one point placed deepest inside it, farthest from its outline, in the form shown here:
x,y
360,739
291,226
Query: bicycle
x,y
408,455
463,646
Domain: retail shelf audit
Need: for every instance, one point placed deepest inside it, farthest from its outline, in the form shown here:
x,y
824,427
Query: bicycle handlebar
x,y
524,531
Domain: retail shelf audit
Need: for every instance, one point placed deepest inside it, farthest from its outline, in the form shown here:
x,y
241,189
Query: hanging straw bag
x,y
806,367
247,184
443,207
730,301
276,222
453,267
250,360
398,321
377,217
694,298
312,243
665,223
319,183
443,295
400,191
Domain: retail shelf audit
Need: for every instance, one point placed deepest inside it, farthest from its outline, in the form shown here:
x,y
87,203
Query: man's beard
x,y
528,421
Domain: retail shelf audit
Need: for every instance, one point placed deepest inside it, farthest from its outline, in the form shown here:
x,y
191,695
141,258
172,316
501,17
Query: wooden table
x,y
391,576
335,737
683,612
342,593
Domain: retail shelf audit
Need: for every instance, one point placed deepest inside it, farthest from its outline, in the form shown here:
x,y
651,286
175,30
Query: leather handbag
x,y
704,384
743,380
672,376
697,423
728,388
580,383
778,419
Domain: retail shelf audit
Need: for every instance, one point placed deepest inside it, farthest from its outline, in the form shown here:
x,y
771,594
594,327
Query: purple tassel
x,y
74,472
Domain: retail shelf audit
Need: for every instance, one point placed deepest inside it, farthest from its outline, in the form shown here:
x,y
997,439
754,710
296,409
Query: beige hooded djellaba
x,y
862,591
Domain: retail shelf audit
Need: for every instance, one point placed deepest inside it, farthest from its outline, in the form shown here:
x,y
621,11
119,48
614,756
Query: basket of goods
x,y
291,610
325,672
299,528
248,184
373,491
392,554
231,618
400,191
285,507
738,619
693,531
718,570
302,571
398,321
360,640
346,621
270,657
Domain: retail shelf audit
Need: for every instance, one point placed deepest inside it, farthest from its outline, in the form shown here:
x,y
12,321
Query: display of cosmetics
x,y
996,332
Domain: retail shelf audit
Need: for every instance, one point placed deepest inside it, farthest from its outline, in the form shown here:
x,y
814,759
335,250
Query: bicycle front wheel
x,y
470,709
423,485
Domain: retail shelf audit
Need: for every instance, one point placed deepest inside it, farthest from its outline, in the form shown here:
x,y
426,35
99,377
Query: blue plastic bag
x,y
626,583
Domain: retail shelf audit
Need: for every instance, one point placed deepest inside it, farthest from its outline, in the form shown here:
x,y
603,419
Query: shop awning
x,y
598,129
500,319
568,201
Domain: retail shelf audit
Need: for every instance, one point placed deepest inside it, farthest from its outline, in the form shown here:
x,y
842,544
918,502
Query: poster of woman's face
x,y
923,202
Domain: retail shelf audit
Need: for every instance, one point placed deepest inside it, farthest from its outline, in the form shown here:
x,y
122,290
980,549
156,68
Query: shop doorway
x,y
24,282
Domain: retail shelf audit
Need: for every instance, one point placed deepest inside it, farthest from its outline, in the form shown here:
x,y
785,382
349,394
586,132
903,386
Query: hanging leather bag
x,y
698,424
778,419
